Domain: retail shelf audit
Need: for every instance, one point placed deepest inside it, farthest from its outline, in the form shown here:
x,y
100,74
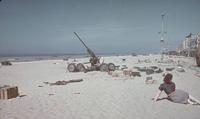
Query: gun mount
x,y
94,60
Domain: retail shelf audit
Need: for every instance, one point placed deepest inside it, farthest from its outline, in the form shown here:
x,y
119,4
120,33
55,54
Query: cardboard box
x,y
9,92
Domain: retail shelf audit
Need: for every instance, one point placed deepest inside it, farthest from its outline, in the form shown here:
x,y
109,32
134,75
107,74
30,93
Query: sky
x,y
106,26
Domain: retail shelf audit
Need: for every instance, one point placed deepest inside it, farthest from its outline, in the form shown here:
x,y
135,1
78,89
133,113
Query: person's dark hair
x,y
168,78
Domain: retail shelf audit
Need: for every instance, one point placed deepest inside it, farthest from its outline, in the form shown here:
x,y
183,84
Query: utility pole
x,y
162,40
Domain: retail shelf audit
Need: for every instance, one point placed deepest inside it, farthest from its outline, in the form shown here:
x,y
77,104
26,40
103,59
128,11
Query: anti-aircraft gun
x,y
94,60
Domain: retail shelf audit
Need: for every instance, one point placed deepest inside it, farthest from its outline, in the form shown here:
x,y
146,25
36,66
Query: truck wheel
x,y
111,67
80,67
103,67
71,67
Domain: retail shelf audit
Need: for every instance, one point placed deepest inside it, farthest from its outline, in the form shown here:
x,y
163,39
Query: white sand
x,y
99,96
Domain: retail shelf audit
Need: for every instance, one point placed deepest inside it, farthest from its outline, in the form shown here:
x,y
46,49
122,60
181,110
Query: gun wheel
x,y
80,67
103,67
71,67
111,67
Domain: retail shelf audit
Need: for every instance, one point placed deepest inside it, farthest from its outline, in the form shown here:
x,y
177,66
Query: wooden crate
x,y
9,92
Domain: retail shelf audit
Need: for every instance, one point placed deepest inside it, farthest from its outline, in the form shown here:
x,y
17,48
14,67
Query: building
x,y
189,45
198,39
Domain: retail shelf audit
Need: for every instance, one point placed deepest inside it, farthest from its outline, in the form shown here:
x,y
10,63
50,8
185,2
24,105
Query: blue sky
x,y
106,26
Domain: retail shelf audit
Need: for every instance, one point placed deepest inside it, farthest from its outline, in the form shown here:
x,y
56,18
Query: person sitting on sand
x,y
173,94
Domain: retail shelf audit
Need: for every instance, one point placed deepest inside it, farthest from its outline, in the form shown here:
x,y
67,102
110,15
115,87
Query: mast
x,y
162,40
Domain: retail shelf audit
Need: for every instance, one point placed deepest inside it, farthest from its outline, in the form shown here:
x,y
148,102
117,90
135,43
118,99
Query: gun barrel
x,y
88,49
80,40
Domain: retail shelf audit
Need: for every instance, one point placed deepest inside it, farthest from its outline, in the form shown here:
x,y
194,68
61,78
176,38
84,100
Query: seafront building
x,y
189,44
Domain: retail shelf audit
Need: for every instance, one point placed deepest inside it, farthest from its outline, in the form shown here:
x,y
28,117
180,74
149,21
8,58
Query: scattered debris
x,y
6,63
127,72
195,68
124,67
149,80
147,61
154,67
133,54
114,73
167,61
123,59
46,82
50,94
131,73
142,69
135,74
4,86
180,69
117,67
144,61
149,71
170,69
8,92
65,59
179,65
197,74
158,70
22,96
77,93
164,74
63,82
75,60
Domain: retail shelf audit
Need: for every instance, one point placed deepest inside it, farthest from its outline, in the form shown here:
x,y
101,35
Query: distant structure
x,y
162,39
198,39
197,53
189,45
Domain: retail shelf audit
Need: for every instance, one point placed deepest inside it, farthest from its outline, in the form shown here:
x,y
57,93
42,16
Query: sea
x,y
38,57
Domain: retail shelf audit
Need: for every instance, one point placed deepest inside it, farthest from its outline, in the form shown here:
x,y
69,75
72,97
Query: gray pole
x,y
162,37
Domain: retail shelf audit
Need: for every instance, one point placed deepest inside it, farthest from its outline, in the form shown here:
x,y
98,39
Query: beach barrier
x,y
8,92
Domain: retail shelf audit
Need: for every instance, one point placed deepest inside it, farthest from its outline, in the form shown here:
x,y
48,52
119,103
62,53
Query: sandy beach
x,y
99,95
